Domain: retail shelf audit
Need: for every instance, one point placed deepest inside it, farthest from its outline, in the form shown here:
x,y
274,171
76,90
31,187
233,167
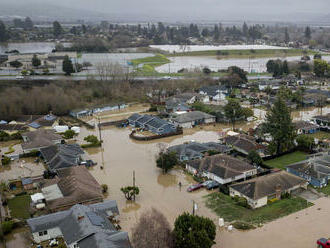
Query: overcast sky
x,y
178,10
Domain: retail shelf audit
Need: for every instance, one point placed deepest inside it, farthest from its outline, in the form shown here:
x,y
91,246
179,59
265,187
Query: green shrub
x,y
5,160
69,134
243,225
7,226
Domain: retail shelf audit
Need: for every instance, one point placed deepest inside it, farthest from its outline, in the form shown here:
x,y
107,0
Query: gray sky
x,y
178,10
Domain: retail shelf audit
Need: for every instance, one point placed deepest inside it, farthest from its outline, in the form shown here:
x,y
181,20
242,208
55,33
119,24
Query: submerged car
x,y
194,187
212,185
206,183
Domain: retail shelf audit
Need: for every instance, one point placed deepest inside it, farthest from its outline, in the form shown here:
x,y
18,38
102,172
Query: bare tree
x,y
110,71
152,231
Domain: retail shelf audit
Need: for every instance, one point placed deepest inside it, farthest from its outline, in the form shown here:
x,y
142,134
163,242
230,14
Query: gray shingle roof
x,y
192,116
223,166
266,185
76,226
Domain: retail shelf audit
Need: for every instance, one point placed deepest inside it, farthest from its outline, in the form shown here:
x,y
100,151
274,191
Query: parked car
x,y
323,243
19,77
206,183
212,185
194,187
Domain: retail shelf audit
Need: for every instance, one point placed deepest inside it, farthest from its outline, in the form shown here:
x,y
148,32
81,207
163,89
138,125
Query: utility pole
x,y
100,137
193,208
134,183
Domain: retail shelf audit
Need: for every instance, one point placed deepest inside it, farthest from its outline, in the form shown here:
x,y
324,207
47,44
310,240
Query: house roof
x,y
40,138
192,116
223,166
323,117
43,121
61,155
243,142
76,184
263,186
305,125
12,127
144,119
194,149
317,166
213,90
89,226
134,117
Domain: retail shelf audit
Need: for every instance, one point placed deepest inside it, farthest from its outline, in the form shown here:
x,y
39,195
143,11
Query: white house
x,y
258,191
221,168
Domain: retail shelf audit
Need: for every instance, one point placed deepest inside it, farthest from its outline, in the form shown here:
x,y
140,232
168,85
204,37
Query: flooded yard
x,y
212,62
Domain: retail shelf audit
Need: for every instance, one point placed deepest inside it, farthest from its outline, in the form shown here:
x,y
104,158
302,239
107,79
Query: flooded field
x,y
192,48
192,62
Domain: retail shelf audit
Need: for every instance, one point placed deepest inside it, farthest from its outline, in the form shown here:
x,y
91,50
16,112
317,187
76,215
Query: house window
x,y
45,232
41,233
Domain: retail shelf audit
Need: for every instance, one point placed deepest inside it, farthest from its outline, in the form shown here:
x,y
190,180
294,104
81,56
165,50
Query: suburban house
x,y
74,185
194,150
175,105
323,121
221,168
258,191
151,123
81,227
274,84
244,144
316,169
46,121
214,92
305,127
61,156
38,139
191,119
12,128
78,113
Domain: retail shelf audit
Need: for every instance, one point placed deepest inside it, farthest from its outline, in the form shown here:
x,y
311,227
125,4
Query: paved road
x,y
80,78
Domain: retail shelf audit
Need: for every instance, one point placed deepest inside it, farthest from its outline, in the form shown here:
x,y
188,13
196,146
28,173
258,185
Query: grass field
x,y
225,207
19,206
283,161
324,190
247,53
320,135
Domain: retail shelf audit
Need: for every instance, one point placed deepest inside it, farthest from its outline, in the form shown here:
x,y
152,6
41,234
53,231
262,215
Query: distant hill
x,y
47,12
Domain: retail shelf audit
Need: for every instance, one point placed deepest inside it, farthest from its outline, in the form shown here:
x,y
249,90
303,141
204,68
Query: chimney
x,y
278,190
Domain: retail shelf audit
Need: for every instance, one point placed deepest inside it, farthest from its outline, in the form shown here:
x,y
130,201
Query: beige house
x,y
258,191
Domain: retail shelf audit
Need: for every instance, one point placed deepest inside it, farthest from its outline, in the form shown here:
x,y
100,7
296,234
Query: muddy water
x,y
19,238
122,156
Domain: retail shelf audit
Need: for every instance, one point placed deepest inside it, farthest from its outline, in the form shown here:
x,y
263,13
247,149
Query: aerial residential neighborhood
x,y
164,124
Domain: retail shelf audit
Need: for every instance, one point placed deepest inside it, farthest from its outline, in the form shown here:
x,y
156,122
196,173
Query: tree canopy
x,y
194,232
166,161
233,111
279,125
153,231
67,66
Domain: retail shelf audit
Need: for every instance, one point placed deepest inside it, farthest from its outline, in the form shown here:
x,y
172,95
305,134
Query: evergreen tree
x,y
36,61
285,67
193,231
320,67
279,125
57,29
28,24
308,33
67,66
245,30
4,35
233,111
286,36
216,33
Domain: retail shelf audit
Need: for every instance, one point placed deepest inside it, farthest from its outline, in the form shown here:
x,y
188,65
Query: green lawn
x,y
283,161
325,190
225,207
19,206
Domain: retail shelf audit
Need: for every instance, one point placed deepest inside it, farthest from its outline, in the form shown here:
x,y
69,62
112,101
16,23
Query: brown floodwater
x,y
18,238
122,156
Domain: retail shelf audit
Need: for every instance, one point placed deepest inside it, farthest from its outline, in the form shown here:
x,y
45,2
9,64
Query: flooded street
x,y
122,156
